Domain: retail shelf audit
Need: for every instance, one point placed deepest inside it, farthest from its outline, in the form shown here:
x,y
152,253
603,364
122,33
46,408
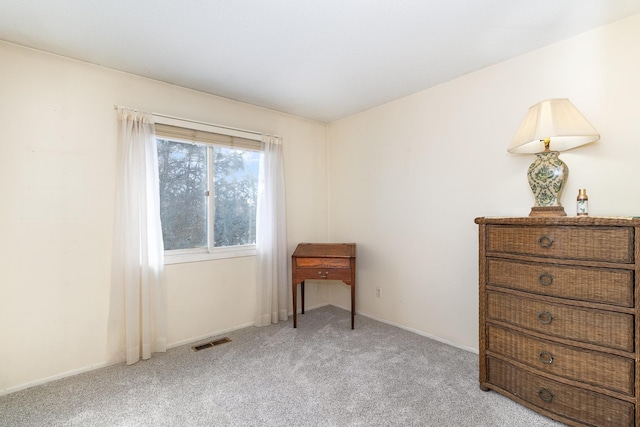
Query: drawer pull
x,y
545,317
545,357
323,275
545,241
545,395
545,279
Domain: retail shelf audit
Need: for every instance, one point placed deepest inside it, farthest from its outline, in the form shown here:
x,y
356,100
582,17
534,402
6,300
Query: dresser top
x,y
614,221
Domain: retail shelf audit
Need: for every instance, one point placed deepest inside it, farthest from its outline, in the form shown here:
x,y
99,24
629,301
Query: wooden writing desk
x,y
323,261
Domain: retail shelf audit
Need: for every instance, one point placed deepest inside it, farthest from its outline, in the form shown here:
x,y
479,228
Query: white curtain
x,y
138,297
271,240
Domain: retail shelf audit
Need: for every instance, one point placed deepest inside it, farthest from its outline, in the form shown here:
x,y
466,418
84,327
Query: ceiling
x,y
320,59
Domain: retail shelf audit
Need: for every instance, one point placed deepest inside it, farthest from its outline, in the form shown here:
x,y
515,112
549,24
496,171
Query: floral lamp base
x,y
547,175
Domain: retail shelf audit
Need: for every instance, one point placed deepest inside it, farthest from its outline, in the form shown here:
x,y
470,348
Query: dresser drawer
x,y
591,367
598,327
567,401
613,244
609,286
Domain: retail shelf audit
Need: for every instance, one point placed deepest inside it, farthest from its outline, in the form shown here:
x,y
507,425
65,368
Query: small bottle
x,y
582,204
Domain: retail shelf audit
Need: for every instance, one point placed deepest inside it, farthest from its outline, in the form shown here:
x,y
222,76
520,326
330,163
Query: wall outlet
x,y
378,292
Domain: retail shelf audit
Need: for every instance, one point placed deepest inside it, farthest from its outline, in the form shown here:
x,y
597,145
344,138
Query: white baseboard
x,y
57,377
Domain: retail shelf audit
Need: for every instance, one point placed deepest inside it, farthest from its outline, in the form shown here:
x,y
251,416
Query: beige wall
x,y
57,151
407,179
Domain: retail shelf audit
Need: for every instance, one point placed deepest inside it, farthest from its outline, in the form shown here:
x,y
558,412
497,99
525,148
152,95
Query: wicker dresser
x,y
559,325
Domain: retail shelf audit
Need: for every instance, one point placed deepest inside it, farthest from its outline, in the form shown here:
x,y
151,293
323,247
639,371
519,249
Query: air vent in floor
x,y
211,344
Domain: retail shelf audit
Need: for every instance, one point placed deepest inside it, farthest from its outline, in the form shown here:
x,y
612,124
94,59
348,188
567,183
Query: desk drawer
x,y
605,328
613,244
323,274
572,402
609,286
591,367
323,263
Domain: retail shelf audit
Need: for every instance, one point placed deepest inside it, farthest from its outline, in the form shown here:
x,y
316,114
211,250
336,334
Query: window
x,y
208,193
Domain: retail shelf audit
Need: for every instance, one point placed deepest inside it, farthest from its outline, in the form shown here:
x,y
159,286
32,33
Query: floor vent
x,y
211,344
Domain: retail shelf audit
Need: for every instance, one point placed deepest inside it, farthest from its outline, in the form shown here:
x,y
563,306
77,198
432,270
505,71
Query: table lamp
x,y
550,126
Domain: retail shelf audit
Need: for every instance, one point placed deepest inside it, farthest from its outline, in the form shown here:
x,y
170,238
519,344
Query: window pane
x,y
183,202
235,190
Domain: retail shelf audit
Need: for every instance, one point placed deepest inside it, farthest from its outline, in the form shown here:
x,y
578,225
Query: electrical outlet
x,y
378,292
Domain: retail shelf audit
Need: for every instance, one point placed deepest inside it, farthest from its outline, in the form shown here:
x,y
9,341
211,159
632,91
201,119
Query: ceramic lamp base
x,y
547,175
547,211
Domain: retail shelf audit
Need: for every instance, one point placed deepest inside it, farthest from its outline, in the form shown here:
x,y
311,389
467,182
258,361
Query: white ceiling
x,y
320,59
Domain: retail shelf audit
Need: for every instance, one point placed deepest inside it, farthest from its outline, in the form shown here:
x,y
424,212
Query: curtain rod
x,y
192,121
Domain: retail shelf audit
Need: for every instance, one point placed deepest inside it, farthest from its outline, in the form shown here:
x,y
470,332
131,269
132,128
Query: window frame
x,y
250,141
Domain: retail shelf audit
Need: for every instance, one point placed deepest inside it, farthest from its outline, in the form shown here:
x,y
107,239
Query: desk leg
x,y
294,291
353,303
302,295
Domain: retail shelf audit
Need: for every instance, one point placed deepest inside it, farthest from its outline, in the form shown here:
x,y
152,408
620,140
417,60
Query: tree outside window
x,y
208,195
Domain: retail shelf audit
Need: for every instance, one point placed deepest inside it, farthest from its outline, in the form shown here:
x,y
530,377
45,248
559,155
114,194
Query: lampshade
x,y
554,119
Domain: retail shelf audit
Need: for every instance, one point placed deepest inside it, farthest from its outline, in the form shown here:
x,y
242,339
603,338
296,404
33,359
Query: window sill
x,y
198,255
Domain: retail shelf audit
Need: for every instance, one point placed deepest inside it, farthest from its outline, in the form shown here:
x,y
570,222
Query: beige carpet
x,y
320,374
